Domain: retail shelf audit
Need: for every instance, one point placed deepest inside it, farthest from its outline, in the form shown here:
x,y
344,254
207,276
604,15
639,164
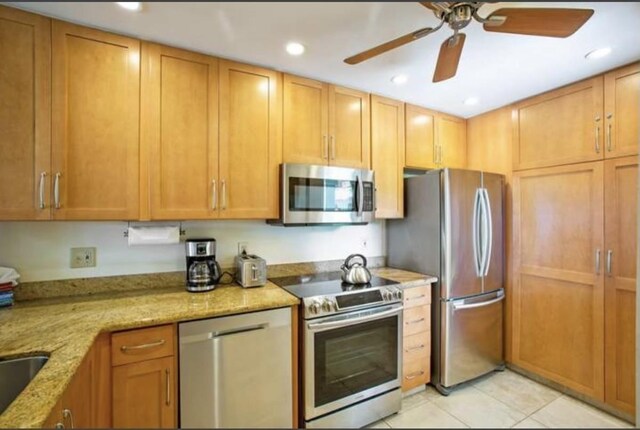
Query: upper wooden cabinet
x,y
250,141
560,127
179,130
420,148
489,141
95,124
622,110
325,124
387,155
451,141
25,115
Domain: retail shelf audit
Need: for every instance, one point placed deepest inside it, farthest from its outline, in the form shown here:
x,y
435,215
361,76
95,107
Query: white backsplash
x,y
41,250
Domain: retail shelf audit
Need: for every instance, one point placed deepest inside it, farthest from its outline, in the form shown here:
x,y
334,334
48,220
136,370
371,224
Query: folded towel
x,y
8,274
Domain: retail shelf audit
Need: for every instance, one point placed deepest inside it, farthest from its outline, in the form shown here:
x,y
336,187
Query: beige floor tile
x,y
431,393
425,415
414,400
567,412
517,391
529,423
479,410
379,425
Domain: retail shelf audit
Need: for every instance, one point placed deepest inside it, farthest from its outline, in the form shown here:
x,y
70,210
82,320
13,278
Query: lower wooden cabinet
x,y
416,342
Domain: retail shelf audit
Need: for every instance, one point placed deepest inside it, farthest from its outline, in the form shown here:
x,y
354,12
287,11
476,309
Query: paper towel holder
x,y
181,230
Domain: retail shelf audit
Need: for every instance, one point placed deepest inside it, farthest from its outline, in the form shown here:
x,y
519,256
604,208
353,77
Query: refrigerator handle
x,y
476,232
486,257
462,306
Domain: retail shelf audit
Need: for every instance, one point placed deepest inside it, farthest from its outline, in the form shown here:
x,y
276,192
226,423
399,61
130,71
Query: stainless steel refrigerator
x,y
453,229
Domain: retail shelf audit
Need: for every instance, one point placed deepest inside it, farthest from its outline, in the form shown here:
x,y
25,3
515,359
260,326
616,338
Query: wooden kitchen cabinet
x,y
25,115
621,111
489,142
420,148
325,124
250,141
416,337
179,132
621,200
560,127
95,124
387,155
451,141
558,285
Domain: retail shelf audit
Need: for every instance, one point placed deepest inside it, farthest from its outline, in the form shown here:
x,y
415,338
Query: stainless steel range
x,y
351,337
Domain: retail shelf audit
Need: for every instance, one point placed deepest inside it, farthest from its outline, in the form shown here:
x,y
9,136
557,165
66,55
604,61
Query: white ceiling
x,y
495,68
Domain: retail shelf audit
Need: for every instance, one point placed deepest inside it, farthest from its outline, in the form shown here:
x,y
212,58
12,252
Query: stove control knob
x,y
314,307
397,294
386,295
328,305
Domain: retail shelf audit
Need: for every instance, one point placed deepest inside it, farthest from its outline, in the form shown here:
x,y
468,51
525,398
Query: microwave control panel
x,y
367,188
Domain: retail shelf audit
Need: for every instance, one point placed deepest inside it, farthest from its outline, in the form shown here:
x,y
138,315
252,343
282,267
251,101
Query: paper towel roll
x,y
153,235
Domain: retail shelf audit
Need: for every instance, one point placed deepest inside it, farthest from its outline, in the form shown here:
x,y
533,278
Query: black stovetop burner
x,y
325,283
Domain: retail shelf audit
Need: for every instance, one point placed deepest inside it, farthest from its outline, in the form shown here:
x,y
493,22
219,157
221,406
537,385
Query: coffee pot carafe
x,y
203,271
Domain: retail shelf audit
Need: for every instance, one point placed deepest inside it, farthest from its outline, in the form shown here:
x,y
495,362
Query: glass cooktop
x,y
323,284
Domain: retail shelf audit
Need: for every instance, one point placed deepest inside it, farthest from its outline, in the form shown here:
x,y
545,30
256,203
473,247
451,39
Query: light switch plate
x,y
83,257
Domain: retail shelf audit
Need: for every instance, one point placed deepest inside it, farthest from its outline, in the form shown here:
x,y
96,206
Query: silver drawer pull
x,y
609,256
41,190
414,375
415,321
125,348
168,397
597,142
56,190
415,348
406,299
68,414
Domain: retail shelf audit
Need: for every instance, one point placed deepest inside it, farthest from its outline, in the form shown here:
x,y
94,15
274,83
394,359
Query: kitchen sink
x,y
15,374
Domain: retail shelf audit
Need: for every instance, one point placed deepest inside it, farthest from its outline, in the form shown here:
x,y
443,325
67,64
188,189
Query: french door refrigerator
x,y
453,229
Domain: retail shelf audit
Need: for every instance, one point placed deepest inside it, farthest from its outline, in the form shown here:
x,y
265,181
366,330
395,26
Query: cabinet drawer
x,y
416,320
143,344
417,296
416,345
416,372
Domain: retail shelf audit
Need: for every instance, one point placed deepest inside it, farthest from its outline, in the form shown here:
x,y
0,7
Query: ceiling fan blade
x,y
538,21
434,6
395,43
449,57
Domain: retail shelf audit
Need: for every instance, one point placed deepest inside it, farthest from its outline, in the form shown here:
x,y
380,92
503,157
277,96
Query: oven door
x,y
326,195
350,357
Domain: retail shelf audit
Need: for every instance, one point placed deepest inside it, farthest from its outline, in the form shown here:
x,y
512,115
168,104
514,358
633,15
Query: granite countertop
x,y
65,328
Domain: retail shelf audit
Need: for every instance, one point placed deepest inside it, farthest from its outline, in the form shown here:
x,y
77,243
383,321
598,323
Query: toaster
x,y
251,270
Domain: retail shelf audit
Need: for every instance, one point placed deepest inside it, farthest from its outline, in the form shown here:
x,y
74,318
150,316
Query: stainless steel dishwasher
x,y
236,371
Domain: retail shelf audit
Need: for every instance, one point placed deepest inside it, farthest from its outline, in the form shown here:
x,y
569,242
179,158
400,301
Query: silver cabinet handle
x,y
609,258
597,262
224,194
609,116
333,147
415,348
168,398
414,375
41,190
325,147
56,190
68,414
214,195
597,135
125,348
59,426
415,321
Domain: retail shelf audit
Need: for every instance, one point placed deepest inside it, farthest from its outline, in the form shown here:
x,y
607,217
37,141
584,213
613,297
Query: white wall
x,y
41,250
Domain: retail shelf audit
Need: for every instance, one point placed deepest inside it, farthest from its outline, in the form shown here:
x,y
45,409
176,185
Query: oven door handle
x,y
350,321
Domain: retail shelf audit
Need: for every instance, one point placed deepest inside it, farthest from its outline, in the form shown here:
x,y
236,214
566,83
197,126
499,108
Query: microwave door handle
x,y
360,191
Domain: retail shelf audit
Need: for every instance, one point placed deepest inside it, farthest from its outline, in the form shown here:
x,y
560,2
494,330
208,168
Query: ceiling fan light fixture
x,y
295,48
598,53
471,101
399,79
133,6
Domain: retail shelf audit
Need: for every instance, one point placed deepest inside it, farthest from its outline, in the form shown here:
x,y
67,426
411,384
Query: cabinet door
x,y
180,131
95,123
558,284
144,394
560,127
306,116
622,110
451,138
419,145
387,155
621,200
489,142
25,115
250,141
349,128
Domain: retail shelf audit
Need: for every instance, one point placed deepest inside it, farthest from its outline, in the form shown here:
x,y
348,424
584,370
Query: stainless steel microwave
x,y
313,195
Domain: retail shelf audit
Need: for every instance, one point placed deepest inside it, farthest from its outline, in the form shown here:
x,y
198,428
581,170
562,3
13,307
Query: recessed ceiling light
x,y
399,79
471,101
598,53
295,48
130,5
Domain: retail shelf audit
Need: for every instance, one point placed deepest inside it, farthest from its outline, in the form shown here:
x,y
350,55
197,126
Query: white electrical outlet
x,y
83,257
242,247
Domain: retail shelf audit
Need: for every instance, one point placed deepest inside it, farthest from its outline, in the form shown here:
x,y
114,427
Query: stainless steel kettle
x,y
355,272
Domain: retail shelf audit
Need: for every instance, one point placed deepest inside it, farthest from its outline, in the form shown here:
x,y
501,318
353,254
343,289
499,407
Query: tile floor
x,y
502,400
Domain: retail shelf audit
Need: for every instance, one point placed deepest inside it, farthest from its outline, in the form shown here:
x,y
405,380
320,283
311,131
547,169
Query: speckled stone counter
x,y
65,327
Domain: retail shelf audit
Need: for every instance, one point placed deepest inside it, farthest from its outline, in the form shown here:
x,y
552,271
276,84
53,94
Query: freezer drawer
x,y
471,333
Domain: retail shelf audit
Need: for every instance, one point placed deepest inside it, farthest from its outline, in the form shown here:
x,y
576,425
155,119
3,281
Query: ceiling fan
x,y
551,22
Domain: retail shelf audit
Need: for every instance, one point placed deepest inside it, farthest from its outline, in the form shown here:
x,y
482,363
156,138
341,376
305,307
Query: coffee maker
x,y
203,271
